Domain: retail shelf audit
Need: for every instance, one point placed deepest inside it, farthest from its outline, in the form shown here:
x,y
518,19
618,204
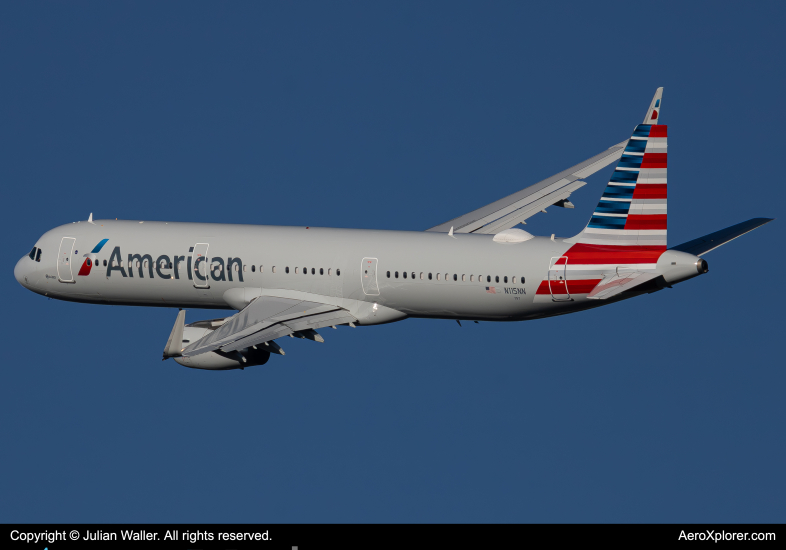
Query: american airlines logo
x,y
87,265
166,267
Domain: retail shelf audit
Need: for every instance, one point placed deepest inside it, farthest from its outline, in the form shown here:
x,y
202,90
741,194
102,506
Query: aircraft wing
x,y
619,282
710,242
268,318
515,208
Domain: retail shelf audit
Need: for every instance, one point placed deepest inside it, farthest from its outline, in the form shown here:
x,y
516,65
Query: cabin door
x,y
64,259
558,279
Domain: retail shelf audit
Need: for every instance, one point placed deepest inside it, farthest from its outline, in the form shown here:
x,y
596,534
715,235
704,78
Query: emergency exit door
x,y
368,277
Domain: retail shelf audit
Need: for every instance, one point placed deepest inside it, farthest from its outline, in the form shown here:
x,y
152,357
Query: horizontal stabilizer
x,y
619,282
710,242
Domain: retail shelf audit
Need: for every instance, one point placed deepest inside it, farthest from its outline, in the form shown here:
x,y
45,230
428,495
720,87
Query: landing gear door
x,y
199,263
558,279
64,258
368,277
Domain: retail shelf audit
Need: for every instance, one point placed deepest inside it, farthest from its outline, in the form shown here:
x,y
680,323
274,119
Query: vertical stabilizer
x,y
653,114
632,210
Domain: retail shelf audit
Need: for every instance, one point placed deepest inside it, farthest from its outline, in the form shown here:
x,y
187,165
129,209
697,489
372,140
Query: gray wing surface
x,y
710,242
268,318
513,209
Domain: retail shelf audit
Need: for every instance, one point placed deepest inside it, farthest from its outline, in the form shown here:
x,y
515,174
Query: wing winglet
x,y
174,346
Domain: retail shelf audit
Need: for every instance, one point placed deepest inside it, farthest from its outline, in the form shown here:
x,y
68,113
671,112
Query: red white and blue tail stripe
x,y
626,234
632,210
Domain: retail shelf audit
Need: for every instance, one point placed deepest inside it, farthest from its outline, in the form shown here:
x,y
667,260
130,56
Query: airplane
x,y
292,281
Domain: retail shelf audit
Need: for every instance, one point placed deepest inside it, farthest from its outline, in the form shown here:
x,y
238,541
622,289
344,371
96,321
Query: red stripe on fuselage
x,y
579,286
650,191
587,254
646,221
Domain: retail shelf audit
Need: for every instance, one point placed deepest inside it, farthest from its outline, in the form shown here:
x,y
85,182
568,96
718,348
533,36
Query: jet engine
x,y
213,360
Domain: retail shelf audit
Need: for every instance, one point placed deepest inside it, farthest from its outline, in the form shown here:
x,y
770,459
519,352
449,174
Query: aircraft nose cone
x,y
21,270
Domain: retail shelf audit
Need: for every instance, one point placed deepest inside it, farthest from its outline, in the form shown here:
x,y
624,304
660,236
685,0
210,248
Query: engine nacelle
x,y
218,360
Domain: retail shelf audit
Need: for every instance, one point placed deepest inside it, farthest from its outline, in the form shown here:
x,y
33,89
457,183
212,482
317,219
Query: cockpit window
x,y
38,256
32,253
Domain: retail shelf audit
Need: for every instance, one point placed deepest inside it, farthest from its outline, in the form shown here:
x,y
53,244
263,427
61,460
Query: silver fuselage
x,y
155,264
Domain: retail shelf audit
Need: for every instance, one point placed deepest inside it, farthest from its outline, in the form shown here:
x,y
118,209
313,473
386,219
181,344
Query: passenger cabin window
x,y
488,278
274,269
388,274
253,268
104,263
471,278
429,276
314,271
455,277
338,273
439,278
286,269
506,279
496,278
405,274
396,274
321,271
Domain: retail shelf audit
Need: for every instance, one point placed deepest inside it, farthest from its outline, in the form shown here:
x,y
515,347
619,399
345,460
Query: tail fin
x,y
632,210
654,111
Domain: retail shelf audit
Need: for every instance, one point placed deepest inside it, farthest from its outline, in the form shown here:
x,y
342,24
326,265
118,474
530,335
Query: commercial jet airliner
x,y
292,281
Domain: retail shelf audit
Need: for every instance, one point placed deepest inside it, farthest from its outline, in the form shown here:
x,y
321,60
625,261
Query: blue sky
x,y
664,408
